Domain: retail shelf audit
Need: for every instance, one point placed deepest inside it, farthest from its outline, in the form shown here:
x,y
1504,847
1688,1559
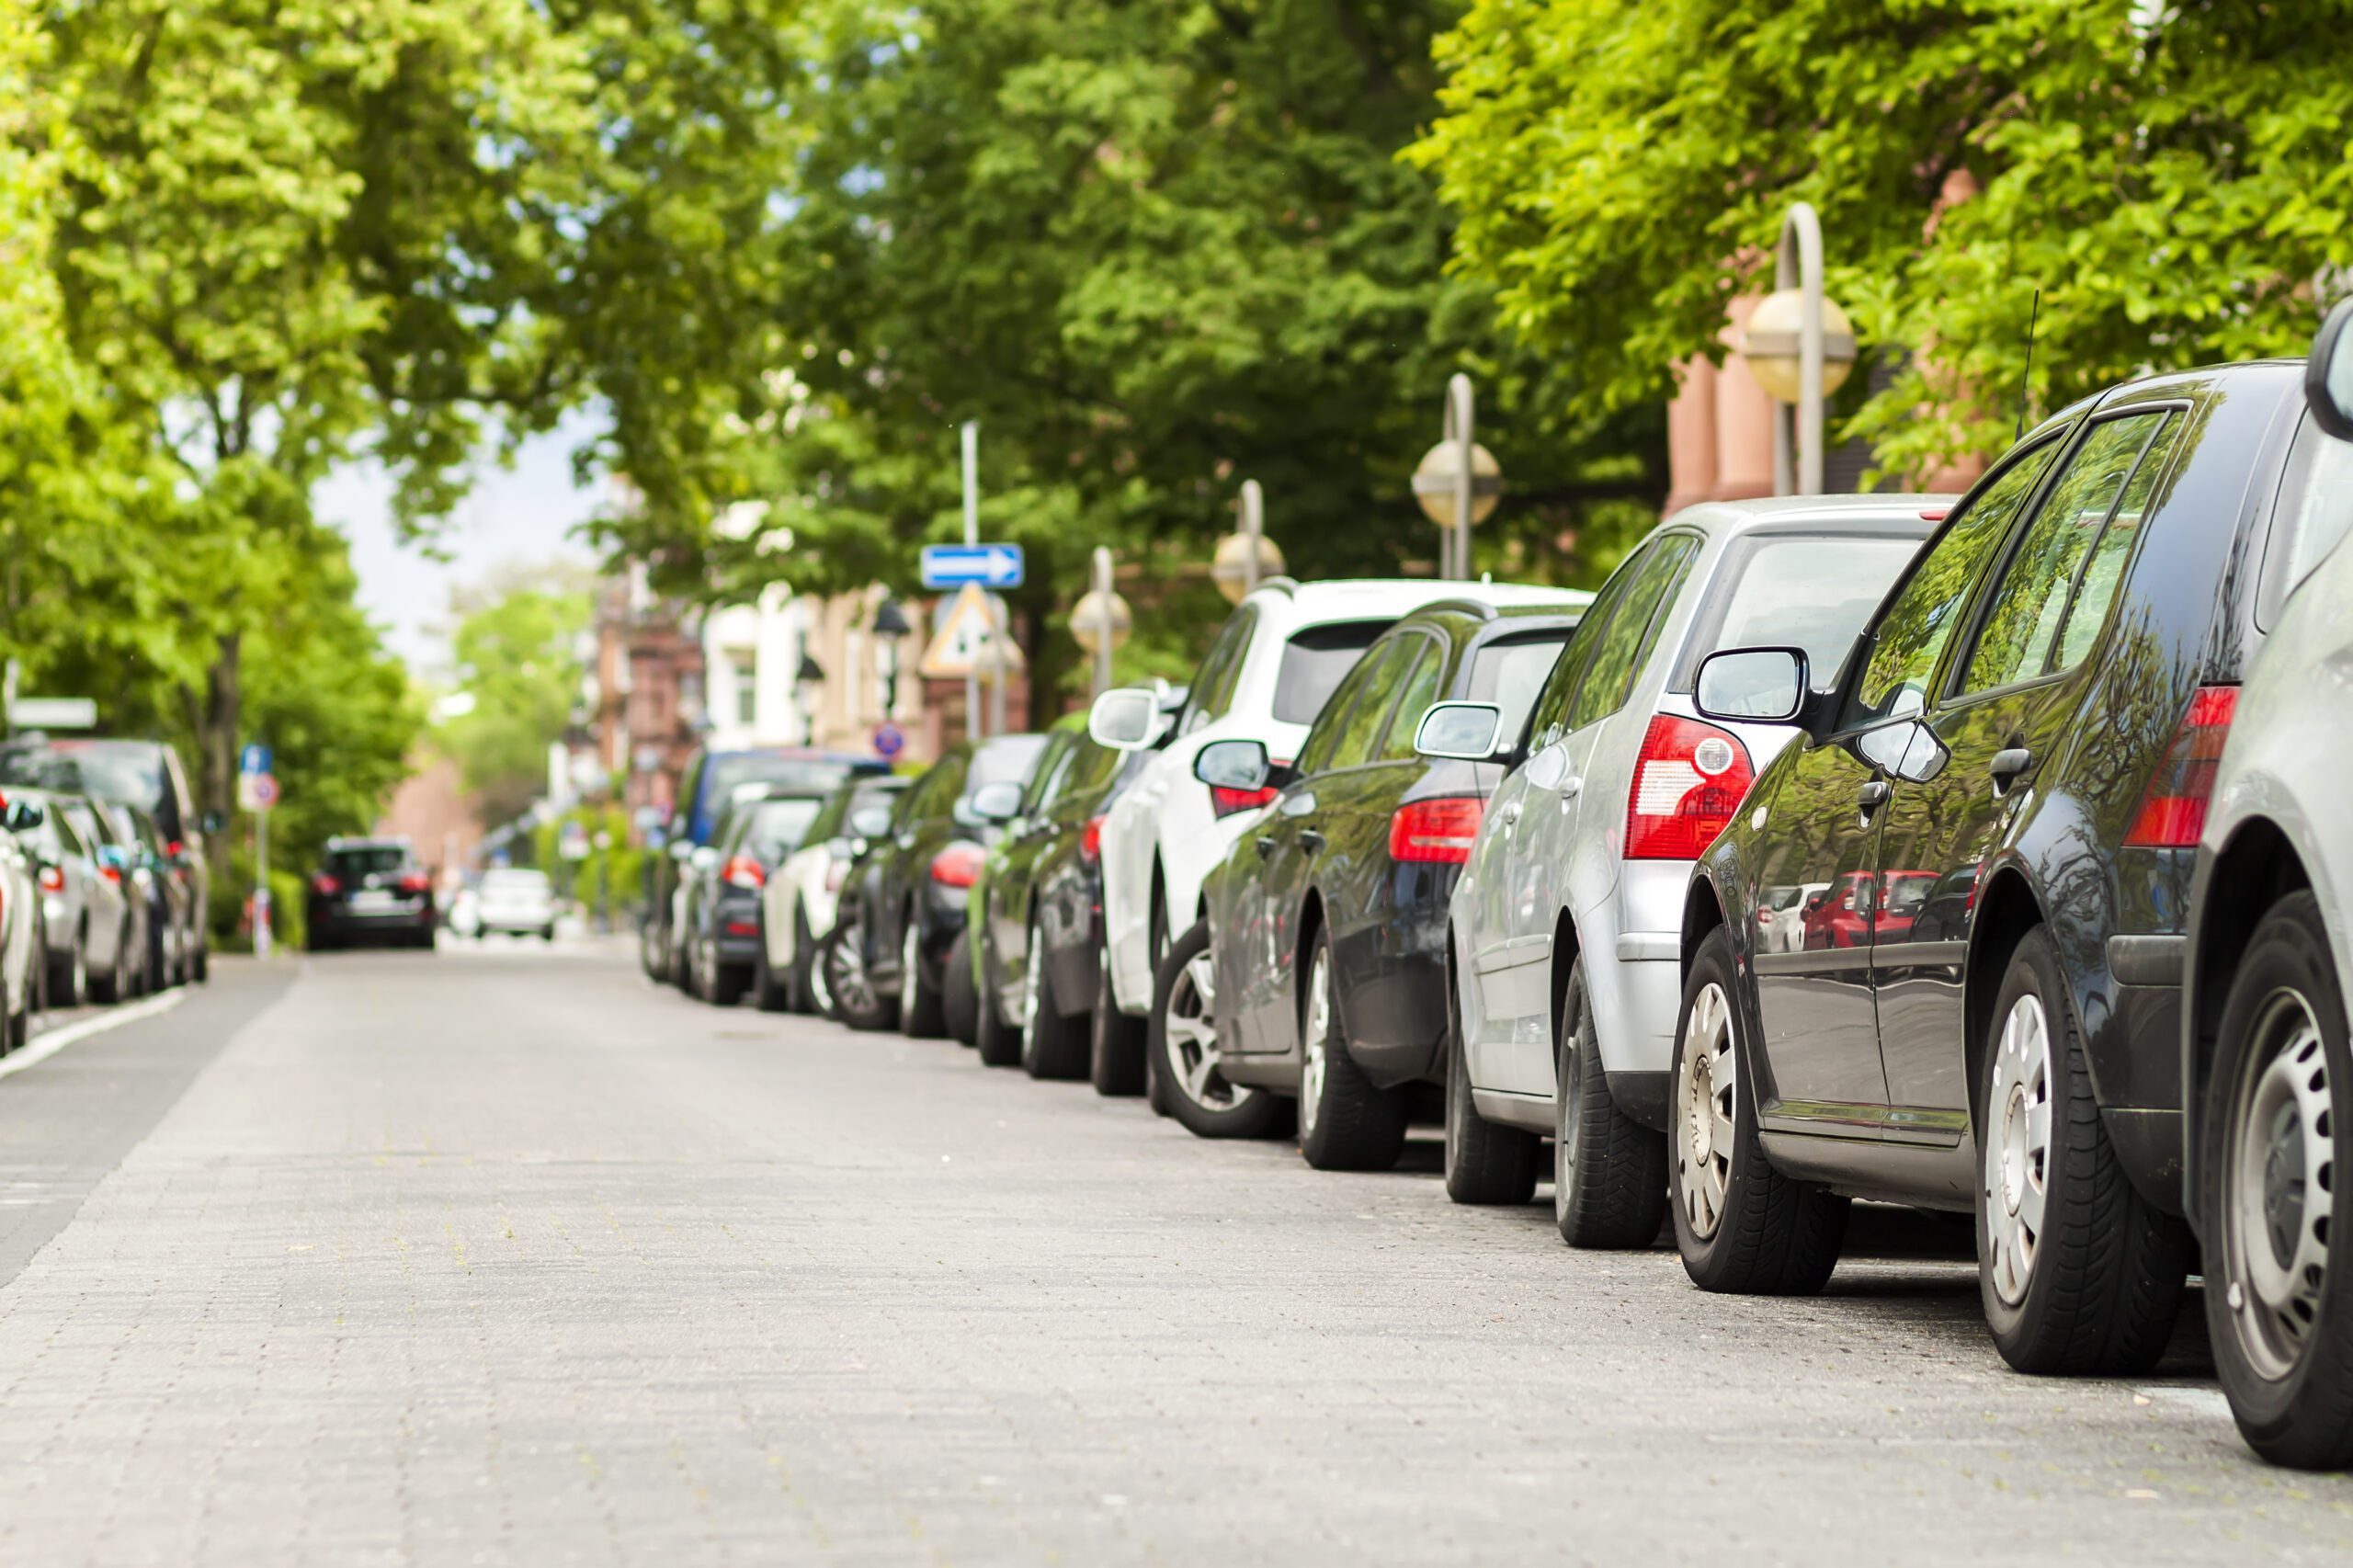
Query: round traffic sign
x,y
889,740
263,790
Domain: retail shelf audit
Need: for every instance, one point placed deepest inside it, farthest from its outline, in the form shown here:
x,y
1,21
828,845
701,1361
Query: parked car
x,y
1326,924
517,900
907,892
1035,934
798,900
147,774
24,944
369,891
172,915
2041,698
726,954
706,787
1265,677
1564,922
2266,1078
85,912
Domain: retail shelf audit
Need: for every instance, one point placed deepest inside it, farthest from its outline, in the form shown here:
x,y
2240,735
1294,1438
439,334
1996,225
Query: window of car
x,y
776,828
1912,634
2015,642
1360,727
1092,767
2314,513
1053,766
1314,661
1809,591
1221,670
86,826
936,791
1414,695
367,860
1323,735
1004,759
1549,715
1510,671
1632,632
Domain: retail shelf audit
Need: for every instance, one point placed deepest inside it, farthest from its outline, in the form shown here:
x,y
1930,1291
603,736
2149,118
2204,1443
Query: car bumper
x,y
2134,1055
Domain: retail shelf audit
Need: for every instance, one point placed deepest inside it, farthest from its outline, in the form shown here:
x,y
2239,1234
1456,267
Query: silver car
x,y
2268,1079
1565,930
85,904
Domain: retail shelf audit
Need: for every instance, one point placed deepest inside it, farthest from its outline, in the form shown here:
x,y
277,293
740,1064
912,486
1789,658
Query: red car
x,y
1842,917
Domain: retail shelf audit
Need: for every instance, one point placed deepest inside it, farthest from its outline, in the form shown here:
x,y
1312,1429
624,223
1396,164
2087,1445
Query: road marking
x,y
51,1041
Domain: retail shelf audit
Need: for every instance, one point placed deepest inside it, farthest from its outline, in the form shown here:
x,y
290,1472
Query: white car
x,y
1279,655
801,896
517,901
1564,936
2268,1076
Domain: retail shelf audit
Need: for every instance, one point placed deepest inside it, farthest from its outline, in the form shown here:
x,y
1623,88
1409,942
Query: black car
x,y
904,901
174,922
723,898
1036,973
2027,729
706,789
1327,923
369,890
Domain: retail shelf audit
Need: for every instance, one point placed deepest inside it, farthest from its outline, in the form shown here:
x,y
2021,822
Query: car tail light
x,y
325,885
1438,830
1090,841
743,871
111,873
1225,801
52,879
2172,812
175,849
958,866
1688,780
416,882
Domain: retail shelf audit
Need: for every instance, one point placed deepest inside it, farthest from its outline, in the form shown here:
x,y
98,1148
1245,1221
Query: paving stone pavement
x,y
519,1260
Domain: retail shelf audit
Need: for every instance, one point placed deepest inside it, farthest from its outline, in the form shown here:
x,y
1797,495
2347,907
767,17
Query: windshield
x,y
514,882
780,828
1313,663
1005,760
1509,674
1812,593
118,770
367,860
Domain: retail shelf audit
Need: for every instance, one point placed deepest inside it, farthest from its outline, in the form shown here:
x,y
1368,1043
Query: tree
x,y
2173,181
519,679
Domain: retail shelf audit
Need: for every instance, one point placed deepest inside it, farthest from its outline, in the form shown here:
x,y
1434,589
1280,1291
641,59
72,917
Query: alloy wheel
x,y
852,984
1316,1064
1192,1038
2017,1148
2278,1198
1569,1120
1710,1077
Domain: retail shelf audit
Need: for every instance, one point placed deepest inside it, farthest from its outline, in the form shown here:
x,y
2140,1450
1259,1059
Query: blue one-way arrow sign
x,y
990,566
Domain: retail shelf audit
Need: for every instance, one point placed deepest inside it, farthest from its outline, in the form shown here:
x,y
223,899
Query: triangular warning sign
x,y
962,645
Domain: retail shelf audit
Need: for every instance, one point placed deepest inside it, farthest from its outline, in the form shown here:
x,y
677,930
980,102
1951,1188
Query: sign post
x,y
256,792
971,537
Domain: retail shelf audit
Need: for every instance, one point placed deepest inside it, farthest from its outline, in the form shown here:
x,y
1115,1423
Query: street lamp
x,y
1801,347
1247,555
806,681
1458,478
890,626
1100,621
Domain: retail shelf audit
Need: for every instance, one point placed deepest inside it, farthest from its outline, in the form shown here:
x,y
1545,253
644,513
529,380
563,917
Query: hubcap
x,y
1315,1066
2277,1200
849,978
2017,1153
1709,1076
1192,1039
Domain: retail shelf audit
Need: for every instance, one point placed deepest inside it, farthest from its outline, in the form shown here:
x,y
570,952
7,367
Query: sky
x,y
526,513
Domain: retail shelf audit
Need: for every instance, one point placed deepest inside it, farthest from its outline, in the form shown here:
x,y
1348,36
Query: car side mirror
x,y
1463,732
1231,764
681,850
996,803
704,857
2329,374
211,822
870,821
1124,719
1752,686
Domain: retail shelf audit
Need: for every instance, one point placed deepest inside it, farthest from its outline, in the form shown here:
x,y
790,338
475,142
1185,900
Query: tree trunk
x,y
215,720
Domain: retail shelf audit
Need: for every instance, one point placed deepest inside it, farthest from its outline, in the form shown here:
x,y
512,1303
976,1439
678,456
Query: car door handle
x,y
1873,795
1510,815
1266,847
1570,788
2008,766
1311,841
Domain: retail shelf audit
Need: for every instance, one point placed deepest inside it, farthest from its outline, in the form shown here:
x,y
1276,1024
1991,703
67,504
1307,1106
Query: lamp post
x,y
1100,621
890,626
1458,481
1247,554
806,681
1801,347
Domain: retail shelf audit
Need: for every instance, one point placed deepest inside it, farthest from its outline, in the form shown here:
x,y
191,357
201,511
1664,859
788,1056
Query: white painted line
x,y
51,1041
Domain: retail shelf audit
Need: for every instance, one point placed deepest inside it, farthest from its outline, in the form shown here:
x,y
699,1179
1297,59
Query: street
x,y
506,1255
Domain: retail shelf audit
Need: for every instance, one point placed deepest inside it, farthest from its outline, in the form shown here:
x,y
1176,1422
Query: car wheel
x,y
920,1016
203,962
1157,1093
820,990
1345,1122
1115,1041
856,1000
2278,1314
114,986
2078,1272
1183,1050
1485,1163
771,993
1742,1226
960,1007
1608,1171
77,974
998,1041
652,949
1053,1043
724,984
800,993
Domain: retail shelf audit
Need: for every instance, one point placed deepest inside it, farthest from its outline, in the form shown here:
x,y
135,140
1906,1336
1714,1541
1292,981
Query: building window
x,y
747,699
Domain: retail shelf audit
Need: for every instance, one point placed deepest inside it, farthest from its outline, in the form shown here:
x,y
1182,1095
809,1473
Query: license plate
x,y
371,899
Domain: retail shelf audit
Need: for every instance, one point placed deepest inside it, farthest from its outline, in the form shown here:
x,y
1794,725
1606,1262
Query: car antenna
x,y
2026,382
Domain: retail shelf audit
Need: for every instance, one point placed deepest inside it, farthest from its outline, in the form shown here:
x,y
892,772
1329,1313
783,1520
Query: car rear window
x,y
1315,660
524,882
780,828
1808,592
372,860
118,770
1005,760
1509,674
731,773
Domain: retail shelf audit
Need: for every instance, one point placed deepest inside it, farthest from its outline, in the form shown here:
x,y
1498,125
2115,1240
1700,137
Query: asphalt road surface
x,y
506,1257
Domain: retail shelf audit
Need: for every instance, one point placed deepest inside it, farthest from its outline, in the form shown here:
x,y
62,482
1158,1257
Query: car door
x,y
2005,706
1007,891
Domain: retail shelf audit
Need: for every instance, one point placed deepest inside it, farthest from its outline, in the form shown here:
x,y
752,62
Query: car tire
x,y
652,951
856,1002
1054,1044
1115,1041
724,984
921,1016
114,986
1183,1045
959,1002
1346,1121
1742,1227
1485,1163
771,993
2282,1327
203,962
803,995
1608,1171
547,933
69,978
1156,1093
2103,1297
999,1043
